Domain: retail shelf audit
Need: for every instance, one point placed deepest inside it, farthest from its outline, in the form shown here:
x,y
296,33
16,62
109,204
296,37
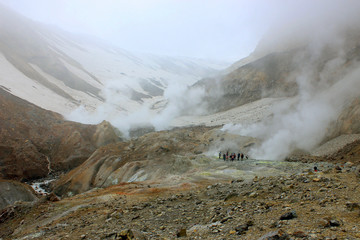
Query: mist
x,y
178,100
326,79
323,32
221,30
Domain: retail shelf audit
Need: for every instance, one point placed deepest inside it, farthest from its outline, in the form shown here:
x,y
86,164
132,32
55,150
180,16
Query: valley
x,y
97,142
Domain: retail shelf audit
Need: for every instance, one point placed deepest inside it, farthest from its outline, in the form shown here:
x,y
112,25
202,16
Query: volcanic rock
x,y
288,216
277,235
12,191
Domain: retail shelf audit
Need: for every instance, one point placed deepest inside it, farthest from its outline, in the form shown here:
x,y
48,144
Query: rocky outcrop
x,y
12,191
105,134
35,142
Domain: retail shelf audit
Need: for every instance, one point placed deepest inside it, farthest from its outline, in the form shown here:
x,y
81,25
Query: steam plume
x,y
328,79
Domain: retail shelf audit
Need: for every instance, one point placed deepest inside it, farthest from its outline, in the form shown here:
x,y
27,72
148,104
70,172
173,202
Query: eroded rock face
x,y
34,141
155,156
150,157
12,191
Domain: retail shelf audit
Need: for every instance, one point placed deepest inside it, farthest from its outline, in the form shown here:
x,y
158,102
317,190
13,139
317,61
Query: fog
x,y
178,100
324,31
210,29
327,79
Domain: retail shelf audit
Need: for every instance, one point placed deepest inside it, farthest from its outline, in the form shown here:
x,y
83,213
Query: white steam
x,y
178,100
327,80
303,122
181,100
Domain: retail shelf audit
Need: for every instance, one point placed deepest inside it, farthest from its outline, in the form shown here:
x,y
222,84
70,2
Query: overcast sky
x,y
216,29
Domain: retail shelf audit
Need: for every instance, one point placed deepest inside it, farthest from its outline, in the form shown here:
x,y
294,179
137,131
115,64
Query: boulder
x,y
13,191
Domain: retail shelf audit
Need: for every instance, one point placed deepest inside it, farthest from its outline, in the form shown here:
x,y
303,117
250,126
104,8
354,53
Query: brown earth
x,y
35,142
306,205
350,152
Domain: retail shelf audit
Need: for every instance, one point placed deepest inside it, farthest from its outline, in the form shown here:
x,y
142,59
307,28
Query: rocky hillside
x,y
348,120
314,80
275,75
35,142
269,76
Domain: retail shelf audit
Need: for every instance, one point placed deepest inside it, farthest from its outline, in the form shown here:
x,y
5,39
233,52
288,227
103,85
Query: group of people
x,y
232,157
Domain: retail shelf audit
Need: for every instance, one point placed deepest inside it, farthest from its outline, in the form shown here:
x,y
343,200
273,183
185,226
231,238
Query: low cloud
x,y
178,99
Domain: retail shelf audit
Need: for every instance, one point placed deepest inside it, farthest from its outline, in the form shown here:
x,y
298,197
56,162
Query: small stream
x,y
41,186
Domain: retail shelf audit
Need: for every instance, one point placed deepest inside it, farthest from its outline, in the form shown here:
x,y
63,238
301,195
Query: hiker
x,y
224,157
238,156
242,156
315,169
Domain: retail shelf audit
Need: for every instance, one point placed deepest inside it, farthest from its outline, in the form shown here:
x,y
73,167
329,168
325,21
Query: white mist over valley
x,y
169,119
133,90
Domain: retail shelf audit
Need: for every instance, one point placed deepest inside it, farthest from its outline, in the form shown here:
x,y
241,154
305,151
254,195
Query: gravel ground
x,y
310,205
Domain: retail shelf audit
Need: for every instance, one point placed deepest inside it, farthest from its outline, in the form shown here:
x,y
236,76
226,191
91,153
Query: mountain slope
x,y
318,79
35,142
61,71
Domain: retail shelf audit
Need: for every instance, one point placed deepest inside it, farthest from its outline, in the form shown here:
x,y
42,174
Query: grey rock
x,y
230,195
181,233
351,206
334,223
241,229
288,216
277,235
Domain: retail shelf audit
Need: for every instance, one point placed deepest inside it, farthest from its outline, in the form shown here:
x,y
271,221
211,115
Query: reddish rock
x,y
52,197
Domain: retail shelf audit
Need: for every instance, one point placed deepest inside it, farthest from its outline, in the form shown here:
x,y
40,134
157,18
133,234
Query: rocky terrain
x,y
171,184
301,204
